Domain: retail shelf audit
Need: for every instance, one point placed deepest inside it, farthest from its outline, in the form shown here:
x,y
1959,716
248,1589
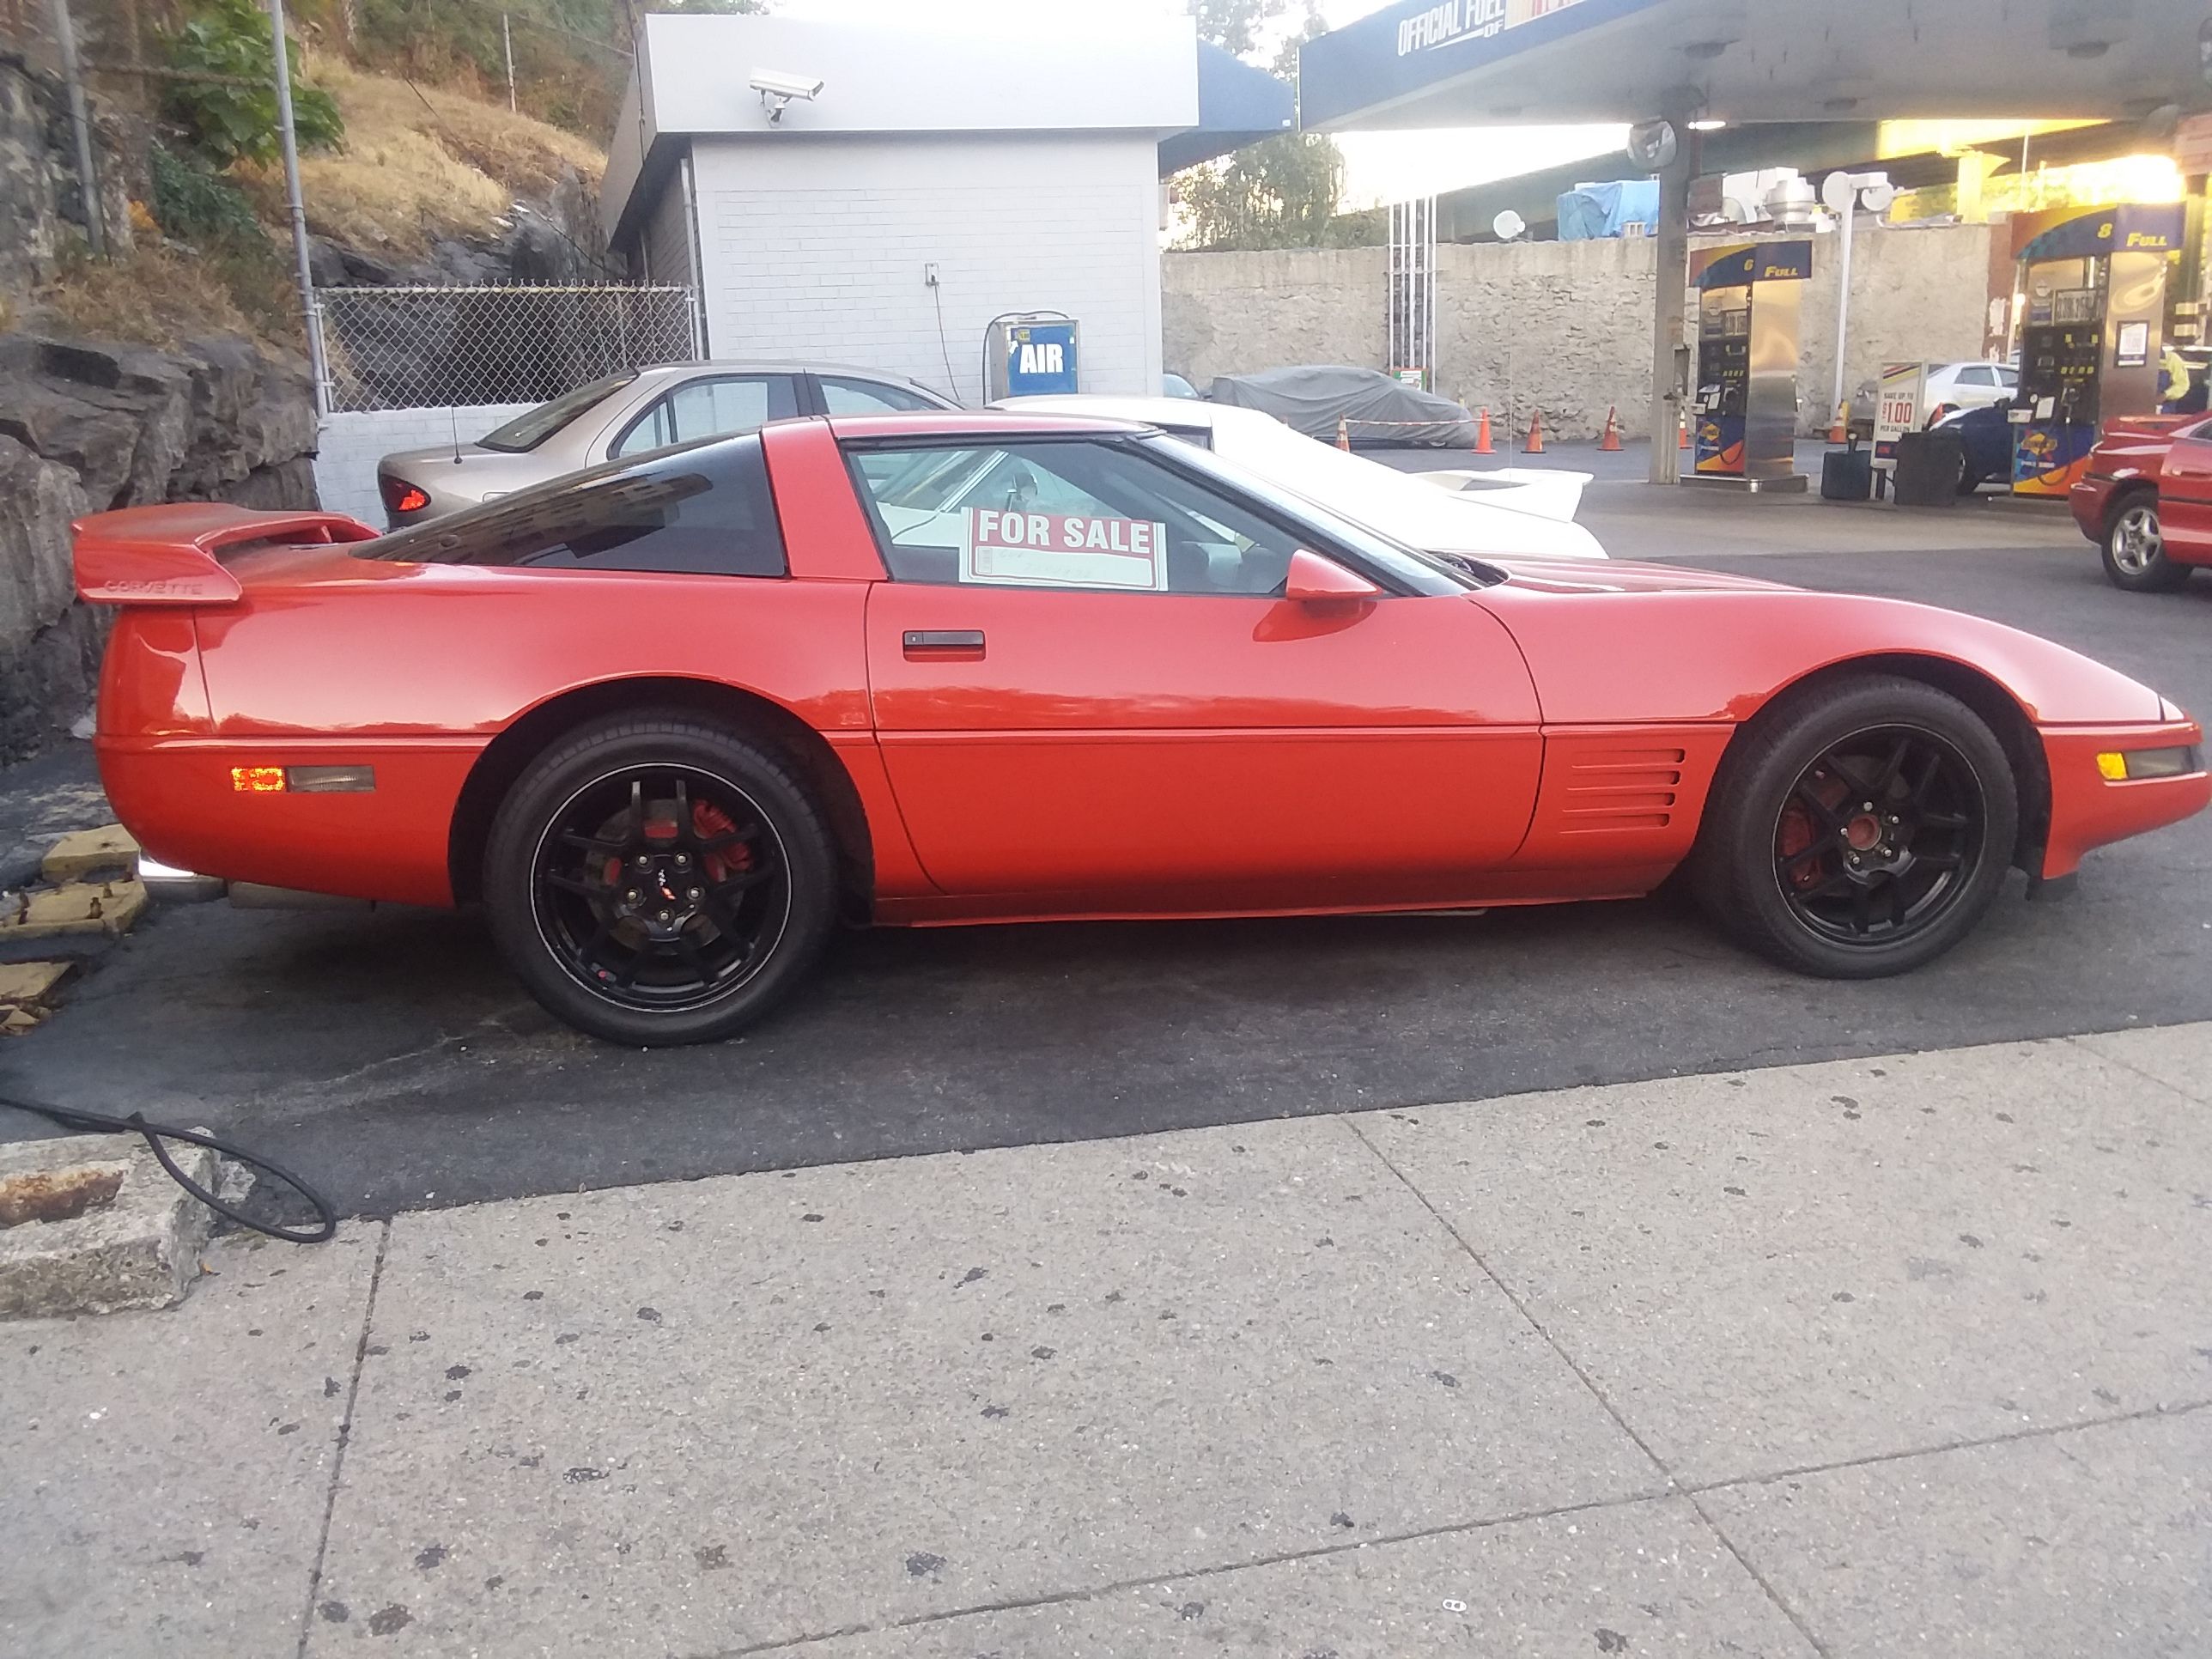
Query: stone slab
x,y
104,908
691,1417
2095,1542
2179,1057
87,851
165,1473
1812,1264
28,984
1643,1578
139,1251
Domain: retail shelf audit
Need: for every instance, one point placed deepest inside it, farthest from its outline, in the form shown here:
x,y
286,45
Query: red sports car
x,y
2146,500
672,719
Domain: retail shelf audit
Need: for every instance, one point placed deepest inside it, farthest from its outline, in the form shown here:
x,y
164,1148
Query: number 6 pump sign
x,y
1063,549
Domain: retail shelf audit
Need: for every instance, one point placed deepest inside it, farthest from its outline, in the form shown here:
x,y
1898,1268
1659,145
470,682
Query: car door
x,y
709,406
2184,495
849,394
1086,683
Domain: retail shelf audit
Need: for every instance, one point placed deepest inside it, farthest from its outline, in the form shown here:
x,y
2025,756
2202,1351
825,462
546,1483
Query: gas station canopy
x,y
1460,63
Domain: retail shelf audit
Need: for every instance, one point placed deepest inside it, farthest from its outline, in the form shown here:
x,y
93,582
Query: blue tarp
x,y
1588,213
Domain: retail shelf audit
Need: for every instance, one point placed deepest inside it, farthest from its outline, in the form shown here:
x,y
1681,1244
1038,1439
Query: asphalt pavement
x,y
390,1055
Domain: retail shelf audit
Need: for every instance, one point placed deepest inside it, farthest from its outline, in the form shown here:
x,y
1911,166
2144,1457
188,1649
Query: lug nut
x,y
643,862
631,896
695,894
683,861
668,916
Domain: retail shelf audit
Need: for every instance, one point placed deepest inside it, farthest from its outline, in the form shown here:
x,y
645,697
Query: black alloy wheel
x,y
1859,828
660,880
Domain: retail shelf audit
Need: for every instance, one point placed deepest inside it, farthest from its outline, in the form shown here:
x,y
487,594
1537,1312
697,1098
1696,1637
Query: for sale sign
x,y
1063,549
1900,406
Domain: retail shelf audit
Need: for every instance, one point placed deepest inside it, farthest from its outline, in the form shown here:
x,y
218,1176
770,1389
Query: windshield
x,y
534,427
1425,573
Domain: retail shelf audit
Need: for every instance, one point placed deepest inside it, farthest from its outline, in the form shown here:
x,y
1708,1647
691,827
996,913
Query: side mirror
x,y
1316,581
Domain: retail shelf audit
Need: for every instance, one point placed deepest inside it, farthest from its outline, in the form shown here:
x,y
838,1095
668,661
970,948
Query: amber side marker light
x,y
2134,764
302,780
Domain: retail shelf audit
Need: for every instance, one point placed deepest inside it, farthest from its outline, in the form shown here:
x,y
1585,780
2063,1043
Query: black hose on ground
x,y
155,1134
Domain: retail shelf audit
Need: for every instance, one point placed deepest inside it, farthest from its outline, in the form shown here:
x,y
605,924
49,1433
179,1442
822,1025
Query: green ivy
x,y
223,123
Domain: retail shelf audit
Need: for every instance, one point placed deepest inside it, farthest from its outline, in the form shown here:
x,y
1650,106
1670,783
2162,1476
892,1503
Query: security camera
x,y
777,89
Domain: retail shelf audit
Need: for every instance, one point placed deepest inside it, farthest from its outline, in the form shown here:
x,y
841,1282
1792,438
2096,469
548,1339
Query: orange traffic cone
x,y
1536,444
1841,432
1611,442
1482,434
1343,434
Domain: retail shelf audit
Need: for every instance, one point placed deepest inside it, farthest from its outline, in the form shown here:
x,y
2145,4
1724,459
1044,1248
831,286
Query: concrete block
x,y
87,851
83,907
140,1248
28,984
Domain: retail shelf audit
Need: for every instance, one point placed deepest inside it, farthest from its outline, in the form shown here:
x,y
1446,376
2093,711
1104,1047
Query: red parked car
x,y
2146,500
672,719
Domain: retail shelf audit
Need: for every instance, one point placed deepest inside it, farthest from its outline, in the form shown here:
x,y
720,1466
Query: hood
x,y
1623,576
2146,426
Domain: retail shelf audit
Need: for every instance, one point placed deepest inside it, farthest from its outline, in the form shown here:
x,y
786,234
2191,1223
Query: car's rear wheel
x,y
656,880
2134,547
1858,829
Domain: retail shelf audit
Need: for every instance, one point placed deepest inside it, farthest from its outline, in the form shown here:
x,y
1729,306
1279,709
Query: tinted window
x,y
1066,514
532,428
706,510
844,397
1977,377
710,408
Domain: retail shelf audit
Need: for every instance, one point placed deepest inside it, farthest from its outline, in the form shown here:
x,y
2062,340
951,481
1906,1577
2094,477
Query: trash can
x,y
1929,467
1847,475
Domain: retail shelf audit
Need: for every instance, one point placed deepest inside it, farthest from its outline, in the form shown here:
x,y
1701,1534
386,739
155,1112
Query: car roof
x,y
773,366
997,424
1105,405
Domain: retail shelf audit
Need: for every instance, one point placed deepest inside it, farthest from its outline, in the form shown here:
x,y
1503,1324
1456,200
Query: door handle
x,y
963,642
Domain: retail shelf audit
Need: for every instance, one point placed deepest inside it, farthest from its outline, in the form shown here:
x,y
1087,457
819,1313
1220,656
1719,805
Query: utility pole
x,y
317,365
507,41
96,227
1672,259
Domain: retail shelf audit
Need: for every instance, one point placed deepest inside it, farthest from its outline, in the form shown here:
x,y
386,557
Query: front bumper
x,y
2089,498
2089,810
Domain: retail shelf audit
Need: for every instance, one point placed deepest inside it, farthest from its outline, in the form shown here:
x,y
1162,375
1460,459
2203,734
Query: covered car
x,y
1373,408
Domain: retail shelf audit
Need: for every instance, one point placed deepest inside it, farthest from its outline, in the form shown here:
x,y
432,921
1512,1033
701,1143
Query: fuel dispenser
x,y
1744,416
2091,307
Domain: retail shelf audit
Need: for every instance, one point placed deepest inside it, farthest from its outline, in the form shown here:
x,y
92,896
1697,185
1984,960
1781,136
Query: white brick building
x,y
1022,168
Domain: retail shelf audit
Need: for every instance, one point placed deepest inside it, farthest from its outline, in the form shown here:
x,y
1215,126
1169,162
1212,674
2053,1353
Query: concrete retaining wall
x,y
1563,326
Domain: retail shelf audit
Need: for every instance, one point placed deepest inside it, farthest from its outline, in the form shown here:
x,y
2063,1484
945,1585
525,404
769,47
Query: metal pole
x,y
317,365
95,228
1844,302
1672,257
507,39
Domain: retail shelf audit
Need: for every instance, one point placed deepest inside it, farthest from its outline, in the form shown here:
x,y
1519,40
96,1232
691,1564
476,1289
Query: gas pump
x,y
1744,419
2093,312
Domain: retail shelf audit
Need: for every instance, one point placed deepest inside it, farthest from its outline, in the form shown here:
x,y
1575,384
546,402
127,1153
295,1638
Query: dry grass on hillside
x,y
161,296
418,167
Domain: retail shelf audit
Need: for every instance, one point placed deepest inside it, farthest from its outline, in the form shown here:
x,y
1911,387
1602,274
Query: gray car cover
x,y
1375,409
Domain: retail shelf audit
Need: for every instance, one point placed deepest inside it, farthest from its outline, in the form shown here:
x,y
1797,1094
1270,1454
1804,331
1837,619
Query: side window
x,y
709,408
1070,514
701,511
843,397
1976,376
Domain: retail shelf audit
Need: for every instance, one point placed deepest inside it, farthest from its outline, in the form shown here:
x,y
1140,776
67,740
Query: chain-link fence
x,y
431,348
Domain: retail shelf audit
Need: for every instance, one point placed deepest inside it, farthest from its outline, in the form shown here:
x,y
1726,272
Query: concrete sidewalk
x,y
1868,1358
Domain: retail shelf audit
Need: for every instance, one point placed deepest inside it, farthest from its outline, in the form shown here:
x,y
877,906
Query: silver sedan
x,y
625,414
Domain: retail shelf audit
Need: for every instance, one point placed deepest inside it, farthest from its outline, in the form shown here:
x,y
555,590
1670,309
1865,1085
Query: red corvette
x,y
2146,500
671,718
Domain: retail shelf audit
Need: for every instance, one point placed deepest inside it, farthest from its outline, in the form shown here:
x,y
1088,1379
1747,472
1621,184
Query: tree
x,y
1281,191
231,115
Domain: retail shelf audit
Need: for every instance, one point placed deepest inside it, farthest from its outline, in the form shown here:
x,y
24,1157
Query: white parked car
x,y
1513,512
1954,386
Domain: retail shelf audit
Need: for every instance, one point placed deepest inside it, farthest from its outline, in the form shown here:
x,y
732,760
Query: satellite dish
x,y
1837,191
1509,225
1878,197
1653,146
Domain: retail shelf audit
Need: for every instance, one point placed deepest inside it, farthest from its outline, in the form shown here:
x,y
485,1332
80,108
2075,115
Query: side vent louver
x,y
1621,789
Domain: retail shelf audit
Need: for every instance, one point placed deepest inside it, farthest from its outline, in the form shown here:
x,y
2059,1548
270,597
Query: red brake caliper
x,y
709,821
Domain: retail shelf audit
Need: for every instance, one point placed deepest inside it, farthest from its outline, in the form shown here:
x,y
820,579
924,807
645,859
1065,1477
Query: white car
x,y
1510,512
1954,386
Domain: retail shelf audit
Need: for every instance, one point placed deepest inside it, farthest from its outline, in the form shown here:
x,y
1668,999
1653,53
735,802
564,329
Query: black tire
x,y
1848,799
585,885
2134,550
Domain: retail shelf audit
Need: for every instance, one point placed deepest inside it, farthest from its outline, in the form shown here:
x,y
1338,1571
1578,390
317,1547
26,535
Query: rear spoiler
x,y
169,554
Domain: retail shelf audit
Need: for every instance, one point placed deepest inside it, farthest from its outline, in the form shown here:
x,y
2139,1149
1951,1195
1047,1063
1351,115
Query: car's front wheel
x,y
656,879
2135,548
1859,827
